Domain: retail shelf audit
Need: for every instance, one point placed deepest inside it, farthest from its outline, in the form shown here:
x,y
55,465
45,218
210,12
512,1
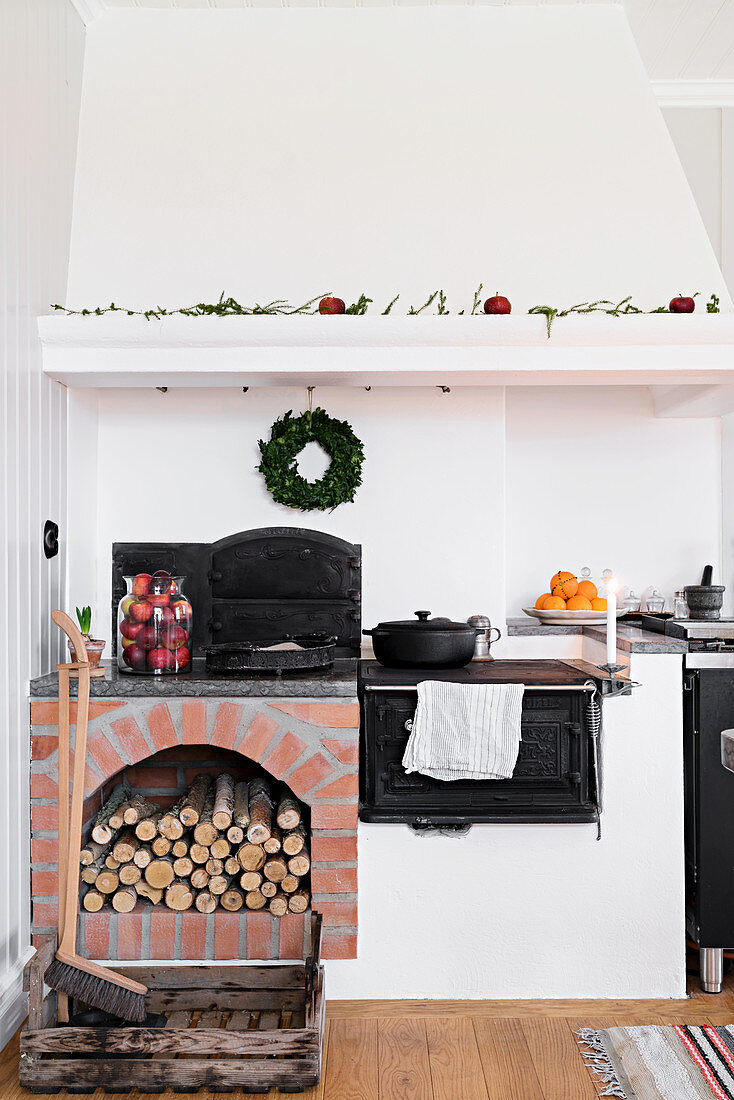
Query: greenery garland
x,y
288,436
230,307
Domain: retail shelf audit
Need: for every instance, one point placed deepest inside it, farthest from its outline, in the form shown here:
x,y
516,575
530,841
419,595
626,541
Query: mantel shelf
x,y
650,349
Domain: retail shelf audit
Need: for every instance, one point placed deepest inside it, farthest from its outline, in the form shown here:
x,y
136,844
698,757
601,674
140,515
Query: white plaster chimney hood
x,y
277,153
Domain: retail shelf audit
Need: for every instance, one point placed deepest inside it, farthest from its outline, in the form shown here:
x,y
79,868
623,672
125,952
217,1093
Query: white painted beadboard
x,y
41,58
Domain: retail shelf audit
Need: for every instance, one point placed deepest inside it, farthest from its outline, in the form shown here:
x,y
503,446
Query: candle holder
x,y
615,685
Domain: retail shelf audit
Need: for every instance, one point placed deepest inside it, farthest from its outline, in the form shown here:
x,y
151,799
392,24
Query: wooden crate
x,y
227,1027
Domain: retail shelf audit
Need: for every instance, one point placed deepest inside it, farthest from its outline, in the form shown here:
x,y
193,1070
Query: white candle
x,y
611,622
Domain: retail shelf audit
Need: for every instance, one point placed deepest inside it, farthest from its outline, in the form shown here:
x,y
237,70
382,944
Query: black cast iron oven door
x,y
553,779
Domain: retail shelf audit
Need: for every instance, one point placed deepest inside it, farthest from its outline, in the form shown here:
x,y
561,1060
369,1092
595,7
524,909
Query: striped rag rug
x,y
465,731
661,1063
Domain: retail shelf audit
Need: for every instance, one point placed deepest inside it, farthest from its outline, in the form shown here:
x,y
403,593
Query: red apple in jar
x,y
140,611
181,658
682,304
163,616
160,658
182,610
141,583
134,656
332,305
160,581
174,636
148,636
158,599
129,629
125,604
498,304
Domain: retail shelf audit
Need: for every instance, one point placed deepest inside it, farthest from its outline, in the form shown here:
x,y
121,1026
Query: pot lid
x,y
423,622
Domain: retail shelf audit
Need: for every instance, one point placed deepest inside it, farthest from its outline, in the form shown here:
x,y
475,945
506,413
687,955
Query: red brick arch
x,y
310,745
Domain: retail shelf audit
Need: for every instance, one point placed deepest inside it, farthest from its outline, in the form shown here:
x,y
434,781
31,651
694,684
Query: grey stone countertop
x,y
630,639
338,681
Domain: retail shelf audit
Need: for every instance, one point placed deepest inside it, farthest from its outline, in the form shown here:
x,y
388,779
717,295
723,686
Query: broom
x,y
80,978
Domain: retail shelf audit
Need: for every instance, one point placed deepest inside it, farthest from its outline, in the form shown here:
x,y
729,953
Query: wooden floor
x,y
461,1050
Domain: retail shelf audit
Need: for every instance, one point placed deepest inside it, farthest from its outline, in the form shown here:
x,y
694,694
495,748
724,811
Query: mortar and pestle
x,y
705,599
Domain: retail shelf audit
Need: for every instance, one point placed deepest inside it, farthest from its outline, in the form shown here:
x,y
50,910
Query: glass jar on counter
x,y
655,603
680,607
155,623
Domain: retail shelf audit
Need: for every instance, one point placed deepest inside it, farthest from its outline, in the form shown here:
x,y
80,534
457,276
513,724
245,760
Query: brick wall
x,y
310,745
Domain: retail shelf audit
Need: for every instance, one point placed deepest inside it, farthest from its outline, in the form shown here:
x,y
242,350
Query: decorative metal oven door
x,y
551,782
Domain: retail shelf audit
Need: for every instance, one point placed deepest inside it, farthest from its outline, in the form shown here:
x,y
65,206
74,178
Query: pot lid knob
x,y
423,616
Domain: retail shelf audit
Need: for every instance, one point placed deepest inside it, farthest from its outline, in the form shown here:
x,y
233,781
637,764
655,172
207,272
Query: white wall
x,y
594,479
704,141
181,466
281,153
41,54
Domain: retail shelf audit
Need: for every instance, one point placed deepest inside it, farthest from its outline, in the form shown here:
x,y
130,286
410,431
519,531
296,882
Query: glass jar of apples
x,y
155,622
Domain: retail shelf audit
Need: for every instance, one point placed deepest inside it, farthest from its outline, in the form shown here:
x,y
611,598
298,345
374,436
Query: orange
x,y
540,602
578,603
554,603
588,589
599,604
564,585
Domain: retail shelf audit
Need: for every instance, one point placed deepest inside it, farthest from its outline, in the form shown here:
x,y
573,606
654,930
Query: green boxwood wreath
x,y
288,436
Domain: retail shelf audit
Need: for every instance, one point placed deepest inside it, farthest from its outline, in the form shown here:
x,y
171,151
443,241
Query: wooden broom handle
x,y
63,845
67,947
71,890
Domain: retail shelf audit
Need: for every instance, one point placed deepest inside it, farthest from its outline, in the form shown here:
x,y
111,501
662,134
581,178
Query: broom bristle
x,y
95,991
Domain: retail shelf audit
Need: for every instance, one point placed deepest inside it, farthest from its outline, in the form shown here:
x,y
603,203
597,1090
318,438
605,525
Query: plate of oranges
x,y
569,599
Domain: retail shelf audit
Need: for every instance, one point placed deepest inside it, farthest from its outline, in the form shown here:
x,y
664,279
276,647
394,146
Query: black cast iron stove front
x,y
553,781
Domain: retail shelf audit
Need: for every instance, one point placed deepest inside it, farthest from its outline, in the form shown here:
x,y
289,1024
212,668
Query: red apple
x,y
125,604
332,305
497,304
160,581
134,656
141,583
181,658
163,616
182,609
140,611
682,305
156,599
173,637
148,637
129,629
160,658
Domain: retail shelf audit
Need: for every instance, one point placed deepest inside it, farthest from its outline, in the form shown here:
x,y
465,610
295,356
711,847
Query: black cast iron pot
x,y
423,643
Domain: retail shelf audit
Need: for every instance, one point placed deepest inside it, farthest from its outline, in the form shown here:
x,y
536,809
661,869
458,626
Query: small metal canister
x,y
484,637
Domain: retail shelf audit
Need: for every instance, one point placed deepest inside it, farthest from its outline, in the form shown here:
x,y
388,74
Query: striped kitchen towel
x,y
465,731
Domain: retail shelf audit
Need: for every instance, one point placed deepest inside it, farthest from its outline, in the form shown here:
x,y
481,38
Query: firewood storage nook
x,y
303,748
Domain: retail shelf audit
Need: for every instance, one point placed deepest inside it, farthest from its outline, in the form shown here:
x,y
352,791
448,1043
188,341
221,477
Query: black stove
x,y
554,779
702,635
708,708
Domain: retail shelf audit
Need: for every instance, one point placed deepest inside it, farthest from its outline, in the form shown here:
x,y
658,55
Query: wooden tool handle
x,y
69,627
68,937
62,1000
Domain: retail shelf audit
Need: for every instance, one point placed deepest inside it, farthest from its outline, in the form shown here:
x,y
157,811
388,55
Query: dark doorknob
x,y
50,538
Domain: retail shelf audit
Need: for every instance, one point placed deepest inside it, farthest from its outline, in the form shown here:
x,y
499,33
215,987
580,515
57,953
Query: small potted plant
x,y
93,646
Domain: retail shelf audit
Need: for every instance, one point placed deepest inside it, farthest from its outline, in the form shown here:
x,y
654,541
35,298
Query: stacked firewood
x,y
222,844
